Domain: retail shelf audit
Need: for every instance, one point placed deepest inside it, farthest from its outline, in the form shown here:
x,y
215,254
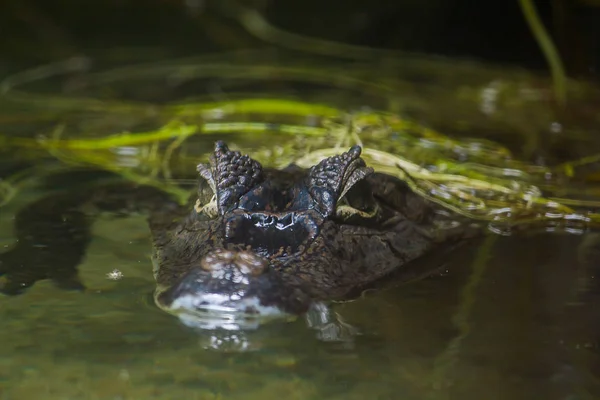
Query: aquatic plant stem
x,y
552,57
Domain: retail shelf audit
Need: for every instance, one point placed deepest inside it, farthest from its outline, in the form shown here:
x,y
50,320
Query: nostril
x,y
250,263
220,261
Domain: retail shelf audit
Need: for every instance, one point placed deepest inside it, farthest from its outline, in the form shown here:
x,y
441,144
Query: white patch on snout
x,y
211,311
231,275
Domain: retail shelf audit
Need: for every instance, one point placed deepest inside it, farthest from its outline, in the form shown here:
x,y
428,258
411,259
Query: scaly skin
x,y
290,225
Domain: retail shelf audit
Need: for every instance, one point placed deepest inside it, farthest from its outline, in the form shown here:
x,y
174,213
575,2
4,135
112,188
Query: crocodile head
x,y
263,244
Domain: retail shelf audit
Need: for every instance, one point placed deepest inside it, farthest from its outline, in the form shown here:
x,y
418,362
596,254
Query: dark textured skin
x,y
325,255
339,255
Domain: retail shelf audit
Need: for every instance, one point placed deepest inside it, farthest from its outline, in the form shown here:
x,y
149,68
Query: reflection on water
x,y
522,325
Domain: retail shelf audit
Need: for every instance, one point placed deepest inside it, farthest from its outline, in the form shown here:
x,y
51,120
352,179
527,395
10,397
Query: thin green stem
x,y
548,48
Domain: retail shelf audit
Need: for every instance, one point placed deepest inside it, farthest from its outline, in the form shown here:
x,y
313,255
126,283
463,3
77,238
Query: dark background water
x,y
36,31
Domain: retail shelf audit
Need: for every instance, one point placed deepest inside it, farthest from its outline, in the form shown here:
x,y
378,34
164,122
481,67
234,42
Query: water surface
x,y
521,325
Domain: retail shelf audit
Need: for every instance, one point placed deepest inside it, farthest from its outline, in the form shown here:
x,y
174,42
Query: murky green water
x,y
523,325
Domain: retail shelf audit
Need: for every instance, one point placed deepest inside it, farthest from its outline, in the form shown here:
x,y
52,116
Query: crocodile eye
x,y
357,202
205,192
209,209
207,200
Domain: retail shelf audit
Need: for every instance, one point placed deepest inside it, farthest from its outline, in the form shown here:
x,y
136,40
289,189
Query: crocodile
x,y
253,243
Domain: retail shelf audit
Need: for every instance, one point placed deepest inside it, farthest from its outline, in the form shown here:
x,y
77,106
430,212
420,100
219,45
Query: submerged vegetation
x,y
477,178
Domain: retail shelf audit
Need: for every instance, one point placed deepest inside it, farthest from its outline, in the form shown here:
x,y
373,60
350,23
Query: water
x,y
521,325
510,318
